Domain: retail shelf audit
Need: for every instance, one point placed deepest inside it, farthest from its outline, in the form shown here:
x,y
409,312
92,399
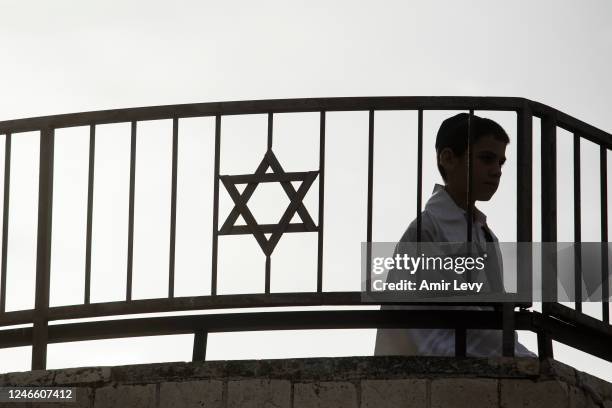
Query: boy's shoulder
x,y
430,231
443,221
442,228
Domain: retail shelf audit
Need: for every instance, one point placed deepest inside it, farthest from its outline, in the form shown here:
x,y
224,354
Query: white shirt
x,y
443,220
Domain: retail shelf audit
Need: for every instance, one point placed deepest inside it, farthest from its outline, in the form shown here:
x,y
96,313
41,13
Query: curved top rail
x,y
261,106
305,105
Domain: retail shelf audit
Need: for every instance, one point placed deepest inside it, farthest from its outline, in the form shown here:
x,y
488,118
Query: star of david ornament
x,y
296,205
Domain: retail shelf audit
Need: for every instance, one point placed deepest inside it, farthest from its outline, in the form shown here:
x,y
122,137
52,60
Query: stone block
x,y
29,378
393,393
600,388
83,375
531,394
464,392
332,394
259,393
191,394
577,398
148,373
554,370
133,396
513,367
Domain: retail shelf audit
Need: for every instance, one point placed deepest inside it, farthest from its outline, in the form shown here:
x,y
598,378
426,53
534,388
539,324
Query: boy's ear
x,y
447,159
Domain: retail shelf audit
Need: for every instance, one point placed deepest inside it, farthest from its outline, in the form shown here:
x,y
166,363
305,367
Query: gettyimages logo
x,y
457,264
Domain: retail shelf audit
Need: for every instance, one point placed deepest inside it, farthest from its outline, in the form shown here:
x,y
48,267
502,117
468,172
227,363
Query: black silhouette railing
x,y
555,322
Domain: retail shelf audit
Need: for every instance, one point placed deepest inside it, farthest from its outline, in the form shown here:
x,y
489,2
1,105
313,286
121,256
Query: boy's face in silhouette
x,y
488,157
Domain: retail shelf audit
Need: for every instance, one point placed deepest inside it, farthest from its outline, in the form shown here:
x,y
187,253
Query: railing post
x,y
577,228
605,277
370,201
549,226
130,249
172,255
508,325
524,220
524,201
321,202
90,192
43,251
199,345
5,218
215,221
460,342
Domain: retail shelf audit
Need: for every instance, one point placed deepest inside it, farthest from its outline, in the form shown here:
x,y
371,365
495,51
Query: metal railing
x,y
555,322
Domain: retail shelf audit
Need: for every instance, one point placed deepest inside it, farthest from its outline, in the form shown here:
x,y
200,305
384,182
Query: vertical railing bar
x,y
470,213
577,228
524,128
370,199
545,345
508,325
5,219
549,180
460,342
267,283
171,258
215,221
130,255
549,225
270,128
461,334
200,339
524,199
524,124
321,201
90,192
267,271
40,332
605,288
419,193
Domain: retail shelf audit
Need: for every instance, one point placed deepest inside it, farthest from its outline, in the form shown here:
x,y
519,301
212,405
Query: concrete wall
x,y
351,382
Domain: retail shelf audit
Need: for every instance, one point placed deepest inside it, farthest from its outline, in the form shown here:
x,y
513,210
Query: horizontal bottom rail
x,y
237,301
288,320
575,335
567,314
578,336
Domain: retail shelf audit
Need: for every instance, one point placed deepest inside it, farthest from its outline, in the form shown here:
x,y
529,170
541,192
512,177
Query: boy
x,y
444,219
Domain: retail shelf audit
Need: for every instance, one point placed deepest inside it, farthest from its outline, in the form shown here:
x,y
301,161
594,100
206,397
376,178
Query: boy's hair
x,y
453,133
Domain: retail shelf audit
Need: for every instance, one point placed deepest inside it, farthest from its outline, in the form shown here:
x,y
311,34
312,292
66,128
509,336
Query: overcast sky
x,y
70,56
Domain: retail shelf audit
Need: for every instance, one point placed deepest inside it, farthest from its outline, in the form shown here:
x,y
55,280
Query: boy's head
x,y
488,151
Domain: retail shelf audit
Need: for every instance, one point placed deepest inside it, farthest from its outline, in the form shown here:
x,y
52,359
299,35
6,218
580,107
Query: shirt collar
x,y
444,207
